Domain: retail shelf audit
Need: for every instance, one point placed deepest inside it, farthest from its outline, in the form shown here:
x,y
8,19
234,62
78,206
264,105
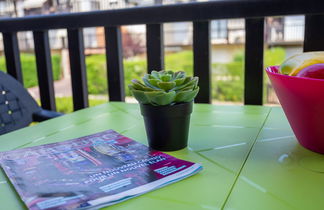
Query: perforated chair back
x,y
16,104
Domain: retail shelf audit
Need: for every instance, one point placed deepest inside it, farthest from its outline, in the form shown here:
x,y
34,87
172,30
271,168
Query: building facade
x,y
226,35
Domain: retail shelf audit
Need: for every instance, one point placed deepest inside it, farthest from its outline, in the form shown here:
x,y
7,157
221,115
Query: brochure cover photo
x,y
92,171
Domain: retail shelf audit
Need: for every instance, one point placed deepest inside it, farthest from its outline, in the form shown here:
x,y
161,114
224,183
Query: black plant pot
x,y
167,127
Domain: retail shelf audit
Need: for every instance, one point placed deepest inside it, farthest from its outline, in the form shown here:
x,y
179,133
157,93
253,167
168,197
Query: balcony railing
x,y
253,11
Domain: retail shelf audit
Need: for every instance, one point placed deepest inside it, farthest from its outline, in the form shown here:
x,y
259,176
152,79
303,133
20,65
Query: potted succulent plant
x,y
166,100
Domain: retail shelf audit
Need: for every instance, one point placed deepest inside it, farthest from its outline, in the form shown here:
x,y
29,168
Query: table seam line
x,y
244,162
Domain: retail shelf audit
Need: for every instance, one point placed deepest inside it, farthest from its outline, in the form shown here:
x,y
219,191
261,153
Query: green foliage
x,y
2,63
239,57
56,66
65,104
28,65
96,74
164,88
133,69
180,61
274,56
227,79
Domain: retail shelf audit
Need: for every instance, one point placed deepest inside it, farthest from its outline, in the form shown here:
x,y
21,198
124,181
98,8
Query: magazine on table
x,y
90,172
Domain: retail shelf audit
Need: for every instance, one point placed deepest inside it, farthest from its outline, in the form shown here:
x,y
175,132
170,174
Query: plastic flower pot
x,y
167,127
303,103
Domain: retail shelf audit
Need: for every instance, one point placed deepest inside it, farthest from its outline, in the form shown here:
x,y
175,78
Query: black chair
x,y
17,107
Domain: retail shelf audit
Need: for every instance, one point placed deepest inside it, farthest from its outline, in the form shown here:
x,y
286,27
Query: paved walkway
x,y
62,89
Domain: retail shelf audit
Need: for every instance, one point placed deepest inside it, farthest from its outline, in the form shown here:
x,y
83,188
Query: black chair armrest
x,y
43,115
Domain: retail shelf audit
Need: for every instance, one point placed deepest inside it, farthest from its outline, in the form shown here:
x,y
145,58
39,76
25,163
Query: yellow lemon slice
x,y
294,64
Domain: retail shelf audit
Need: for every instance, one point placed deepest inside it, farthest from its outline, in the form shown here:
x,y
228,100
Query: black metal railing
x,y
254,12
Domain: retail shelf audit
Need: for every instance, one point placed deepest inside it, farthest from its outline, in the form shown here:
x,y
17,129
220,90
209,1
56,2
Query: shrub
x,y
28,65
133,69
180,61
227,81
136,68
96,74
274,56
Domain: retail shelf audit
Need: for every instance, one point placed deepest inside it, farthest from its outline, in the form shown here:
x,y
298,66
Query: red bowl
x,y
302,100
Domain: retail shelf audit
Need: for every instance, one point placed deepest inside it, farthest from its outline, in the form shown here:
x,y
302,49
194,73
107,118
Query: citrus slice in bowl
x,y
296,63
315,71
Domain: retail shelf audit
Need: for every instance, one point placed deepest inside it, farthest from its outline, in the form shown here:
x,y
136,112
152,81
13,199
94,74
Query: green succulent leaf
x,y
155,75
137,85
196,81
164,88
185,82
166,77
140,96
189,81
170,72
186,96
180,74
166,85
190,87
154,82
160,98
179,81
148,84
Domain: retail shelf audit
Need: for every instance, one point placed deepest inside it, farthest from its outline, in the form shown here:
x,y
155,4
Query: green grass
x,y
28,66
227,79
181,61
65,104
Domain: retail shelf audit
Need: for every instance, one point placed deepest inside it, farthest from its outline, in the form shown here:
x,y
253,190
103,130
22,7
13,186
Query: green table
x,y
250,156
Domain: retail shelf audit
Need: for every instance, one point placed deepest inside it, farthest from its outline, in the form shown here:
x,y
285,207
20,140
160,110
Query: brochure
x,y
90,172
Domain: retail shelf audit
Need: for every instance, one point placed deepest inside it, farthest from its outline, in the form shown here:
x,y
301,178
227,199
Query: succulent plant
x,y
165,88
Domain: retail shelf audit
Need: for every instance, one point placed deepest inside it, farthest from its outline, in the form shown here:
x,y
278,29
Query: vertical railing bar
x,y
253,70
44,69
12,54
78,69
314,33
155,47
114,57
202,59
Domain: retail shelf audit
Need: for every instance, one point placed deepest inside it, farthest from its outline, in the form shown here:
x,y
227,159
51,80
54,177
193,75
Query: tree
x,y
132,43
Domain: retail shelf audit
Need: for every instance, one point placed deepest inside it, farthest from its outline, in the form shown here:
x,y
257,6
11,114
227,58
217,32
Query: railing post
x,y
253,70
115,70
155,47
314,33
11,49
78,69
44,69
202,67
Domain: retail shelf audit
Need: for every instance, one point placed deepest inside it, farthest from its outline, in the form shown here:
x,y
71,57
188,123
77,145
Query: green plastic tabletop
x,y
250,156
